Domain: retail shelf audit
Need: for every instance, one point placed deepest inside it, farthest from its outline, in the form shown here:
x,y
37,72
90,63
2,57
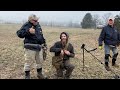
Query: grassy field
x,y
12,53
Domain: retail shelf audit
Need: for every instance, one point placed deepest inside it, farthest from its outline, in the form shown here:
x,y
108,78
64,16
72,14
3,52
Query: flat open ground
x,y
12,53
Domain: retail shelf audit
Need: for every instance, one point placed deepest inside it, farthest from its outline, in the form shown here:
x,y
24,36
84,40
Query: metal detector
x,y
89,51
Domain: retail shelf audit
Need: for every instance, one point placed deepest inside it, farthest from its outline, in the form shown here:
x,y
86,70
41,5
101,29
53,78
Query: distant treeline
x,y
88,21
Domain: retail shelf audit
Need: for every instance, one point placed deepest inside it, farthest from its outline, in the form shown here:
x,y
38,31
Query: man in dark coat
x,y
111,38
33,42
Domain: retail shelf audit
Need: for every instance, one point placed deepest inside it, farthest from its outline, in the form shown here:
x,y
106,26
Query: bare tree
x,y
96,20
106,16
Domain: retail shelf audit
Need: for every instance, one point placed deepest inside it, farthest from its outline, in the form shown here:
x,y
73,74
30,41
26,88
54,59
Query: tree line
x,y
88,21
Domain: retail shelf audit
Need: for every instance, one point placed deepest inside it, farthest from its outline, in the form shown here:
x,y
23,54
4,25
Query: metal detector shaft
x,y
82,47
93,56
83,59
116,76
92,50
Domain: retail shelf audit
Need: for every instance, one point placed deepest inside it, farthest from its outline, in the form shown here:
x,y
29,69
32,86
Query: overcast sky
x,y
60,16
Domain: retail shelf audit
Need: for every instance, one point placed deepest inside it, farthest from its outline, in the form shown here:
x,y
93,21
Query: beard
x,y
64,42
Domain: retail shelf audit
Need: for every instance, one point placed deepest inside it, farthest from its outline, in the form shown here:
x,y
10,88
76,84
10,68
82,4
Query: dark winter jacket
x,y
109,35
31,41
57,47
36,38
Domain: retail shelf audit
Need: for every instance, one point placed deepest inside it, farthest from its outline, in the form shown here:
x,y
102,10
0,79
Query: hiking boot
x,y
40,75
114,63
107,68
27,74
67,77
27,77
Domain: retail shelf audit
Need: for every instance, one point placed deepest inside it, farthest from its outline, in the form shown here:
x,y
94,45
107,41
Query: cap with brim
x,y
110,19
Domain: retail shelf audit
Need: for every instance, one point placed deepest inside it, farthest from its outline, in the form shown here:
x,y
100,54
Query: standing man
x,y
33,42
111,39
63,52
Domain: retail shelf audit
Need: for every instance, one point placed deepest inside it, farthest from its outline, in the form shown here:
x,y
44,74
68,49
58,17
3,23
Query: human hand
x,y
66,52
100,47
32,30
62,52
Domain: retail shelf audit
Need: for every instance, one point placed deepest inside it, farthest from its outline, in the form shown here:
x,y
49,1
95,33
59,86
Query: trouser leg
x,y
69,69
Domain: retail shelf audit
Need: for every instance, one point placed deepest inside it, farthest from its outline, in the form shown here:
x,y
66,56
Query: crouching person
x,y
33,42
61,60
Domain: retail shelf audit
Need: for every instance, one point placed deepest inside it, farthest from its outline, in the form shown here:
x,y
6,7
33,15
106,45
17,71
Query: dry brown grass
x,y
12,53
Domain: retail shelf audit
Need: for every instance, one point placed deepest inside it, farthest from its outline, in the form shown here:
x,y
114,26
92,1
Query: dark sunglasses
x,y
34,20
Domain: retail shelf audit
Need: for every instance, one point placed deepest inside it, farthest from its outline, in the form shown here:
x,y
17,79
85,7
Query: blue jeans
x,y
107,49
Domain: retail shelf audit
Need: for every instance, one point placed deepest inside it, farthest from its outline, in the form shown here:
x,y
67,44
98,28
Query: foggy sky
x,y
59,16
